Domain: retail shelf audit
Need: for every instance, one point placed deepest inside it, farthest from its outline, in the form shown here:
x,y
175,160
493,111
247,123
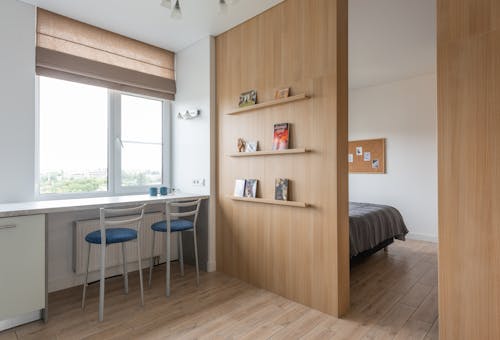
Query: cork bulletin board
x,y
367,156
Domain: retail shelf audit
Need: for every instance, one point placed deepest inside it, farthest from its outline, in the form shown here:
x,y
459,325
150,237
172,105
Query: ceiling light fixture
x,y
176,11
166,3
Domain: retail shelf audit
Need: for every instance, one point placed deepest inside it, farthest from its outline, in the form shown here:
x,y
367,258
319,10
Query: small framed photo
x,y
239,188
282,93
375,164
251,146
250,188
248,98
359,151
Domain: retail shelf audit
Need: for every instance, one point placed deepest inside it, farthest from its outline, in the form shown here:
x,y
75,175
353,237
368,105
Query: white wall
x,y
17,101
191,138
193,143
405,113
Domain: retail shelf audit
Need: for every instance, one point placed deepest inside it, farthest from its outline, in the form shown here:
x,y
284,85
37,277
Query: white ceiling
x,y
390,40
147,21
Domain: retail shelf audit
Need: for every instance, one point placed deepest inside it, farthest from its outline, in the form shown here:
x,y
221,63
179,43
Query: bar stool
x,y
106,236
173,224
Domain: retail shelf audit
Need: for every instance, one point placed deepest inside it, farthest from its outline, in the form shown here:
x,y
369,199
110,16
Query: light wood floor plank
x,y
394,295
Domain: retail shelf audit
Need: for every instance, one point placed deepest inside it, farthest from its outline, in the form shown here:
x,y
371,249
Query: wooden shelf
x,y
269,153
267,201
275,102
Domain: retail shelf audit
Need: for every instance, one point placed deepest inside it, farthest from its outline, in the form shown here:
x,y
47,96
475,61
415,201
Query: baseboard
x,y
211,266
422,237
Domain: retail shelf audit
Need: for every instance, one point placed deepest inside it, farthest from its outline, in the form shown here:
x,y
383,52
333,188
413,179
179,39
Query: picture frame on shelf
x,y
239,188
281,136
281,189
251,146
282,93
250,188
248,98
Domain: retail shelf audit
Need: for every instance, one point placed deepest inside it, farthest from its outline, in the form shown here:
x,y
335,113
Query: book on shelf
x,y
250,188
281,189
281,136
239,188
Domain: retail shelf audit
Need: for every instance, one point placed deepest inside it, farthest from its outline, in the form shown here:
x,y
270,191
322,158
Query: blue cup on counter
x,y
153,191
163,191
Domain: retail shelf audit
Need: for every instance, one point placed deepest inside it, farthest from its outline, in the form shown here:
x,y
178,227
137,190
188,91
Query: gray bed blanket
x,y
371,224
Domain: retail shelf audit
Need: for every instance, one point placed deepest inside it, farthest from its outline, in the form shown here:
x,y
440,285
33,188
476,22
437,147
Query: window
x,y
141,141
95,141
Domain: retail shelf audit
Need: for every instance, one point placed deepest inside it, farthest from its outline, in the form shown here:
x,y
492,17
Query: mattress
x,y
371,224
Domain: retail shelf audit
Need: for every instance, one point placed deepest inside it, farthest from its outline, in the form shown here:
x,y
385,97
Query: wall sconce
x,y
189,114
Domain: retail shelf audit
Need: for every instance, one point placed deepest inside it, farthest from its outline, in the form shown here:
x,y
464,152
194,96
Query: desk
x,y
15,211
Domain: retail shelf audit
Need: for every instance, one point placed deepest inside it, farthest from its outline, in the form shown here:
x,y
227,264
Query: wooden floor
x,y
394,296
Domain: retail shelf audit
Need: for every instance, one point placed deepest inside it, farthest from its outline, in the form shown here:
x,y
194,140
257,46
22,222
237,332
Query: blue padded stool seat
x,y
113,235
175,225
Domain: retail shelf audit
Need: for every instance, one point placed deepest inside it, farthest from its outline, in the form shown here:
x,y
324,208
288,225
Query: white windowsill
x,y
65,205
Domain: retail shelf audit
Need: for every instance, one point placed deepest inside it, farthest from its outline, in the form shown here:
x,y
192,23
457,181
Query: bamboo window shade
x,y
72,50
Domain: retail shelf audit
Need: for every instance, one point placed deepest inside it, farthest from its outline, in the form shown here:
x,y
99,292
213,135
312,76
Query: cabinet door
x,y
22,265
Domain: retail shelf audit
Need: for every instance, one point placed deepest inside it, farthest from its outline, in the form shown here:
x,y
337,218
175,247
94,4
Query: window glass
x,y
73,120
141,134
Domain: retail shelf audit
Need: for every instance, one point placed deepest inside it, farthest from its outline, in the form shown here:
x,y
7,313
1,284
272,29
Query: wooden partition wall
x,y
469,168
300,253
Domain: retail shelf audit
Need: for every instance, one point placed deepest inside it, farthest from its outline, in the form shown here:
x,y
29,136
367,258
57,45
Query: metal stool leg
x,y
139,260
167,283
151,260
196,257
101,284
125,271
86,277
181,252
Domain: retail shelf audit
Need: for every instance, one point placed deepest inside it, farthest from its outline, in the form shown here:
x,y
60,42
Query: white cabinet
x,y
22,265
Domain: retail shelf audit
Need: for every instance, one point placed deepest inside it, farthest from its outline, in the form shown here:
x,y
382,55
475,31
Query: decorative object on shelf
x,y
153,191
281,136
251,146
163,191
189,114
241,145
282,93
281,189
248,98
239,188
250,188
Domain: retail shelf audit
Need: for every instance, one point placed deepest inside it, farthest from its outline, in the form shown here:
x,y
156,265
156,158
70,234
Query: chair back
x,y
171,211
112,217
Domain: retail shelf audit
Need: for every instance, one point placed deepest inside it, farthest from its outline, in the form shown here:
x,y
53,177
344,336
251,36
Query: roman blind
x,y
72,50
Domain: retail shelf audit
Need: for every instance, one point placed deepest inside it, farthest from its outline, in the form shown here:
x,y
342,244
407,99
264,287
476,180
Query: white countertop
x,y
57,206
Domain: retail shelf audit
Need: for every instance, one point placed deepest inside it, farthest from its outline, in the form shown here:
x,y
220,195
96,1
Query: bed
x,y
373,227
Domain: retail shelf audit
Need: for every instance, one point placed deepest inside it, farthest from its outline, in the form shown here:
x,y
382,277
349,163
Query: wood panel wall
x,y
299,253
469,168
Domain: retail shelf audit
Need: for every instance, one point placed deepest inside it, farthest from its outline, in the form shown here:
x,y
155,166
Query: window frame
x,y
113,148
